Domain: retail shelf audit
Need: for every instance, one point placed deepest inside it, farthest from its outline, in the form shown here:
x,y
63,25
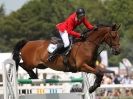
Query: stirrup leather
x,y
52,56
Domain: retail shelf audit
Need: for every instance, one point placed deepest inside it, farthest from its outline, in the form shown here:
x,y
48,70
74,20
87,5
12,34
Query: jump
x,y
81,58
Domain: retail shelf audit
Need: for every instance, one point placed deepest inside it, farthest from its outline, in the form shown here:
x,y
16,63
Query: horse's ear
x,y
115,27
118,26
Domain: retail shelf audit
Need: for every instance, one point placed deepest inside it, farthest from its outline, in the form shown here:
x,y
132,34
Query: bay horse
x,y
81,58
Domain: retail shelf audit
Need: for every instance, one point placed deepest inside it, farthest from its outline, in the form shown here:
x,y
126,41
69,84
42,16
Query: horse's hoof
x,y
33,77
91,89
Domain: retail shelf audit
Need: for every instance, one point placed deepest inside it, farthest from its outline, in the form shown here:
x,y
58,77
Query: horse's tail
x,y
16,52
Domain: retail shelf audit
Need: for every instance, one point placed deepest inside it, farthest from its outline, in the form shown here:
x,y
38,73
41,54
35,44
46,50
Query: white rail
x,y
11,87
88,81
9,80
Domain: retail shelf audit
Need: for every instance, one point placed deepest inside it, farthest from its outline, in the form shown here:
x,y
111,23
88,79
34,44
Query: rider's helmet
x,y
80,12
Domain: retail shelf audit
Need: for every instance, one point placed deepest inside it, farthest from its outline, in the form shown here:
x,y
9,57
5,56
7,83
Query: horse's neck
x,y
96,37
93,43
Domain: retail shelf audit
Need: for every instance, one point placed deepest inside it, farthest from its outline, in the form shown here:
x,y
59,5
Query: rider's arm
x,y
73,33
87,24
70,31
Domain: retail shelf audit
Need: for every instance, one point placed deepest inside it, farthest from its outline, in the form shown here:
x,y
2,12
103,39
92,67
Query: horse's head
x,y
112,39
105,33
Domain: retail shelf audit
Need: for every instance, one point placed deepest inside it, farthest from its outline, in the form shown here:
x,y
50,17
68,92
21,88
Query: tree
x,y
37,20
121,12
2,12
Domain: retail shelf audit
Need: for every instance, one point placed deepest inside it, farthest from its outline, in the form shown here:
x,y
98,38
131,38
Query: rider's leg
x,y
66,43
65,38
53,55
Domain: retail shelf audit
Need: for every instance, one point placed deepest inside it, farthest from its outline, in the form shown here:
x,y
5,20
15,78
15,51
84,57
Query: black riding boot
x,y
53,55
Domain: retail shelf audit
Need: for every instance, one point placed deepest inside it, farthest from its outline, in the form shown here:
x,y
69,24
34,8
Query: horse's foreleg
x,y
99,75
88,69
96,84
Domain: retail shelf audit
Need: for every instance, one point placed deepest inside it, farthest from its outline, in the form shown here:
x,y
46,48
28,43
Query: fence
x,y
11,86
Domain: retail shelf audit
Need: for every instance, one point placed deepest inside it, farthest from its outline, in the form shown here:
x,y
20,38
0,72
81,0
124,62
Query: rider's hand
x,y
82,36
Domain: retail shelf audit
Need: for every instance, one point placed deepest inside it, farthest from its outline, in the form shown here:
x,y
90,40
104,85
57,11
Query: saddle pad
x,y
51,48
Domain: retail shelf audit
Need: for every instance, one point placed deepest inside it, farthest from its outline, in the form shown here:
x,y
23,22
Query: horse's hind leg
x,y
30,72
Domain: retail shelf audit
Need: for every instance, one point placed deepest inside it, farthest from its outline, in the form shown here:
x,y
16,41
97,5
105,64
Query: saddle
x,y
58,42
55,40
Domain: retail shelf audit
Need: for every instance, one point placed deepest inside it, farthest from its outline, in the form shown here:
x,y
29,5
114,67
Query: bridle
x,y
109,37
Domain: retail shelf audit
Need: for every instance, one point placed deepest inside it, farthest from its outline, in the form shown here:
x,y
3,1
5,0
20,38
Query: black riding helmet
x,y
80,12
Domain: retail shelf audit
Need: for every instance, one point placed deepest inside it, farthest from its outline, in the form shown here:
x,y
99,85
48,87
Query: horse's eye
x,y
113,34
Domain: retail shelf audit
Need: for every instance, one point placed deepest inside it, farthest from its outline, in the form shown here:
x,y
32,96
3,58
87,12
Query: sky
x,y
12,5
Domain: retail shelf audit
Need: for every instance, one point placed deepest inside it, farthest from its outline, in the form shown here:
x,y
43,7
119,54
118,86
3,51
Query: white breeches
x,y
65,38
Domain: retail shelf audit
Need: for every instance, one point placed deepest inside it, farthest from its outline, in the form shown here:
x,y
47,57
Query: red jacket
x,y
71,23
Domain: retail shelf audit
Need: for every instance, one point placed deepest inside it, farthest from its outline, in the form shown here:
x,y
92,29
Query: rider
x,y
66,28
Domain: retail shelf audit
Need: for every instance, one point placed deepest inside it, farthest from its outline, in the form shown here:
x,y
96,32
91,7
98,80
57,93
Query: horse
x,y
81,58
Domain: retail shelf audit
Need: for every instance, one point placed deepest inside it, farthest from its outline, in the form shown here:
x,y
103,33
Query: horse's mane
x,y
100,26
103,25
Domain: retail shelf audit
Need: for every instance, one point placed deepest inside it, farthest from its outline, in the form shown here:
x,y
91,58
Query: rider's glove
x,y
82,36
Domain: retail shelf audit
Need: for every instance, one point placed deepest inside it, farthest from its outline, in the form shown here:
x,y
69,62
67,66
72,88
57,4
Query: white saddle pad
x,y
51,48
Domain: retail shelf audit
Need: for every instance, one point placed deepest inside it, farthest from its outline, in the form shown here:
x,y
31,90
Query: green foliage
x,y
37,20
2,12
121,12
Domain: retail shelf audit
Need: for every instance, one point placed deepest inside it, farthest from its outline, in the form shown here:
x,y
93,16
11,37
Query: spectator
x,y
116,92
129,92
107,79
126,80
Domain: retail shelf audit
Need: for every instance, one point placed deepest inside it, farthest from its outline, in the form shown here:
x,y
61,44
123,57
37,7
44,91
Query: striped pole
x,y
44,81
